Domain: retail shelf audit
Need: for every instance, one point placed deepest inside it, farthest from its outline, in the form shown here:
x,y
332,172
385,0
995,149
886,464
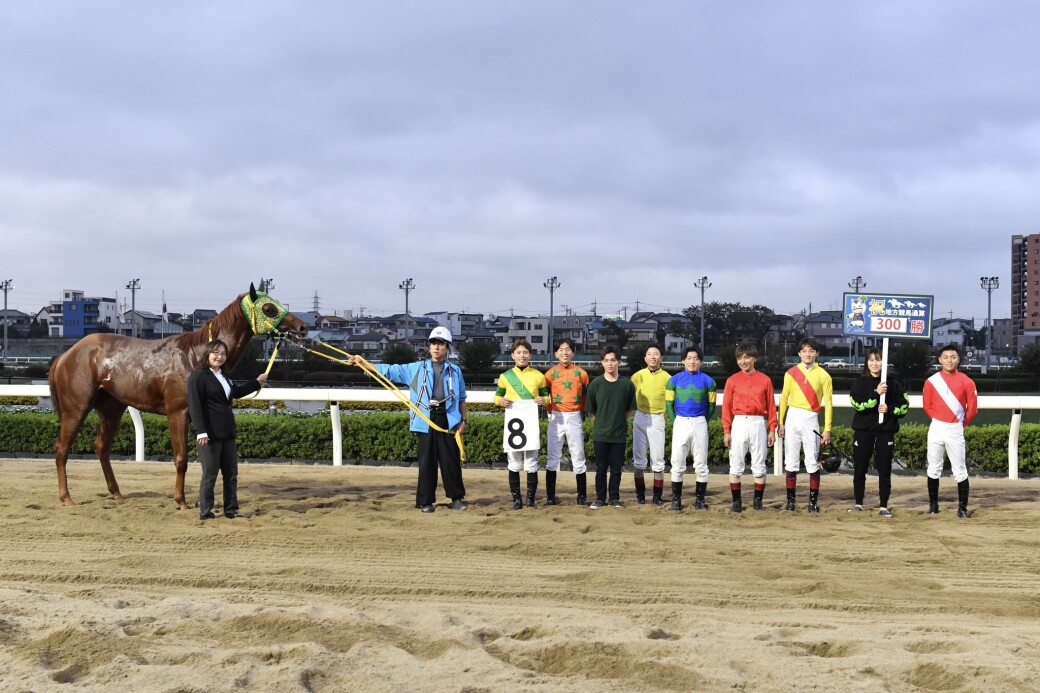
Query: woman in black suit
x,y
209,406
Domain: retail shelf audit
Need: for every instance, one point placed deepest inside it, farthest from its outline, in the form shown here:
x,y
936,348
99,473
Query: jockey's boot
x,y
514,489
933,496
550,488
702,488
962,499
814,500
580,482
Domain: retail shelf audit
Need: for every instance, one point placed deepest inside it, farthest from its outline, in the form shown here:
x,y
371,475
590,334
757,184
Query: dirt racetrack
x,y
338,583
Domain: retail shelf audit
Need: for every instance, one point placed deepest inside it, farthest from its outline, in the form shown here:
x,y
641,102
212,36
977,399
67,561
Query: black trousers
x,y
438,451
880,446
218,455
608,456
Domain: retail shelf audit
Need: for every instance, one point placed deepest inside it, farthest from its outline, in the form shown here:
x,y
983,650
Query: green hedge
x,y
385,437
20,401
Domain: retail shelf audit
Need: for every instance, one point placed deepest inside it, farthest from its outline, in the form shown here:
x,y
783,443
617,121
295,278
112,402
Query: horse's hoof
x,y
68,502
181,505
118,496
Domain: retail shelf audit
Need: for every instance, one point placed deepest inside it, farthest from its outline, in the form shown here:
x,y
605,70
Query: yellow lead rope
x,y
267,371
374,373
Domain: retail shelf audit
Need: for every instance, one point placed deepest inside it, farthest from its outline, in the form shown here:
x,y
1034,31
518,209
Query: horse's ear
x,y
252,292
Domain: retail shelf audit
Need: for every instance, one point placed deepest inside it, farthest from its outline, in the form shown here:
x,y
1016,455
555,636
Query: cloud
x,y
779,149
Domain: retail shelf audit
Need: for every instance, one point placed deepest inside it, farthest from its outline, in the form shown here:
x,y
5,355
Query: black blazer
x,y
209,408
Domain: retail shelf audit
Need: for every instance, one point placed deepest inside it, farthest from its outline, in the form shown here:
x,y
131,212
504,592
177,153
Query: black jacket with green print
x,y
865,400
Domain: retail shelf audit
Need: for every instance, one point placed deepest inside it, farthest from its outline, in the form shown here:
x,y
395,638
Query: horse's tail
x,y
55,403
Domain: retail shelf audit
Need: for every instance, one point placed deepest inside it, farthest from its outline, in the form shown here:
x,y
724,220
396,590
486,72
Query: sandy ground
x,y
338,583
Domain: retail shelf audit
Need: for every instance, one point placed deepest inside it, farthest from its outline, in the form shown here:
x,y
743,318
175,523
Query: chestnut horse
x,y
109,372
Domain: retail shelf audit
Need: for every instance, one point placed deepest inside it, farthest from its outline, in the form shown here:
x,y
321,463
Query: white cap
x,y
441,333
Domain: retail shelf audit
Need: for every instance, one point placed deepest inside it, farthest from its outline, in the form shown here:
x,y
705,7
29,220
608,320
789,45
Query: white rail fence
x,y
331,397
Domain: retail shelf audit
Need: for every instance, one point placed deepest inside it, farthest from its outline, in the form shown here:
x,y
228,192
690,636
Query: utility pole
x,y
6,286
266,284
407,286
857,284
989,285
552,284
134,285
702,284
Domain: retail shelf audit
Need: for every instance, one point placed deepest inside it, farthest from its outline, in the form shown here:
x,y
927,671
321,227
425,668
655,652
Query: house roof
x,y
370,337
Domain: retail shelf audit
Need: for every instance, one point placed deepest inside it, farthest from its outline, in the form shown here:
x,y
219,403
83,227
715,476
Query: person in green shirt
x,y
610,402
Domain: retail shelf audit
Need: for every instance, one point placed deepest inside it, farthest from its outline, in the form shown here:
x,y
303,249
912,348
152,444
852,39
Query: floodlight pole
x,y
6,286
989,285
702,284
552,283
857,284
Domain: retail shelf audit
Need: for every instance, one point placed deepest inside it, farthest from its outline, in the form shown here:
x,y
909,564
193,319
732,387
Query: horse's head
x,y
267,316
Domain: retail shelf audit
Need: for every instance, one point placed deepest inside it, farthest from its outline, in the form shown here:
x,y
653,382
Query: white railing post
x,y
135,416
337,435
778,444
1016,426
778,456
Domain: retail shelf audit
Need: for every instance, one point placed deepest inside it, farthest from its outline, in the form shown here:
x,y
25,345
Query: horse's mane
x,y
224,321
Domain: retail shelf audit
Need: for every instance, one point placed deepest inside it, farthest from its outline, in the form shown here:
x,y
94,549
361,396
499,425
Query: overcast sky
x,y
779,148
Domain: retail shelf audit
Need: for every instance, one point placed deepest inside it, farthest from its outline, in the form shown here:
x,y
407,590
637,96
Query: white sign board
x,y
521,431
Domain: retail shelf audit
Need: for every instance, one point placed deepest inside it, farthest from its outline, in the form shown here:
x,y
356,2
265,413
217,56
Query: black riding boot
x,y
514,489
759,495
676,495
658,492
933,496
532,486
579,480
699,504
550,488
814,500
792,496
962,499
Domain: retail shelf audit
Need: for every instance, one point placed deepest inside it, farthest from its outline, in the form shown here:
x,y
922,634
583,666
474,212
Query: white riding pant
x,y
748,434
528,459
565,424
948,438
648,432
690,434
800,429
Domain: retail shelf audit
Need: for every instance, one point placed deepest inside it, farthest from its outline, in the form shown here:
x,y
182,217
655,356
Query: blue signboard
x,y
900,316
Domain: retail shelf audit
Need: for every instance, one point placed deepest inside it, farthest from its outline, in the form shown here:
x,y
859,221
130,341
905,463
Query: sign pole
x,y
884,374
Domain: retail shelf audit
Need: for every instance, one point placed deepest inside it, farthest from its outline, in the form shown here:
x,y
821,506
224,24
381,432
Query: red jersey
x,y
748,394
961,388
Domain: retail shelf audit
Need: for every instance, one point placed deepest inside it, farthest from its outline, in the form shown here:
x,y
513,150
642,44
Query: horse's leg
x,y
110,413
178,423
70,421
